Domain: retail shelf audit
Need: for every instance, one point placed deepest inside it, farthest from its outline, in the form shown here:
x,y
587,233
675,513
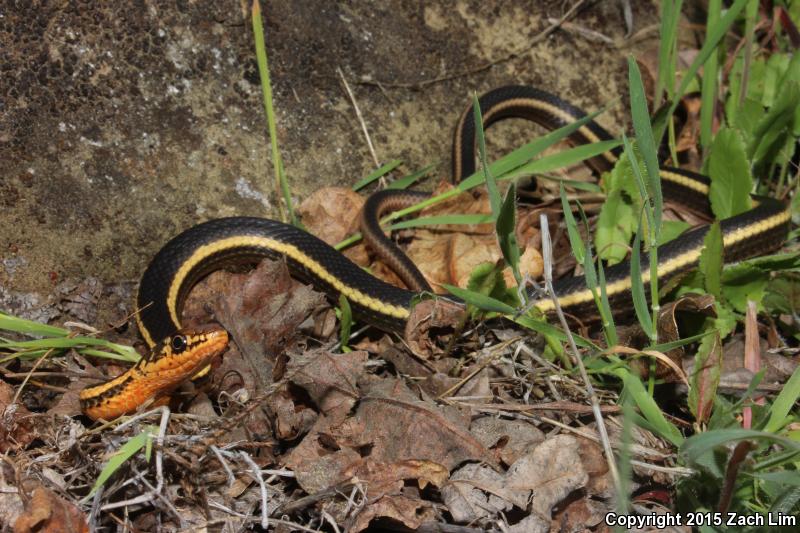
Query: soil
x,y
124,123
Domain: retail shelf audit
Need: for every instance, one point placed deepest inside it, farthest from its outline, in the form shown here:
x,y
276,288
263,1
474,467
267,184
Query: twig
x,y
255,472
360,117
547,252
224,463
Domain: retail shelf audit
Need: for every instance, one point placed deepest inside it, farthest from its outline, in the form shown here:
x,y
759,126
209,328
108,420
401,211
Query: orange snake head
x,y
172,361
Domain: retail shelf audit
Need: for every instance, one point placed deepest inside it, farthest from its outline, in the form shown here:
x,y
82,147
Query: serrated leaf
x,y
705,379
731,182
711,261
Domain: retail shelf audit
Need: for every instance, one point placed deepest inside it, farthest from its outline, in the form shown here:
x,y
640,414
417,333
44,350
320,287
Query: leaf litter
x,y
444,425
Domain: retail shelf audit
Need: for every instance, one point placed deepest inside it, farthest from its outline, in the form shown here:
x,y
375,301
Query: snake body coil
x,y
211,245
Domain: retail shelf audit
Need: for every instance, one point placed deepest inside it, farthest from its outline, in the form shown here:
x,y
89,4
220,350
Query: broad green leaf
x,y
730,176
742,282
711,261
617,221
672,229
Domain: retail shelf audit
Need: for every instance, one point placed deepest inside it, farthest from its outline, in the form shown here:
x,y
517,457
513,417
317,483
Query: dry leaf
x,y
425,328
330,379
46,512
551,471
476,491
411,512
509,439
262,311
16,428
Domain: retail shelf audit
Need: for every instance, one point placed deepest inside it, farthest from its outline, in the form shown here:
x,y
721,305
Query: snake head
x,y
172,361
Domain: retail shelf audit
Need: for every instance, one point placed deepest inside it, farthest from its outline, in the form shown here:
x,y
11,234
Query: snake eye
x,y
178,343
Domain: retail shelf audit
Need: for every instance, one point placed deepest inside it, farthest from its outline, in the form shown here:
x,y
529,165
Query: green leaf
x,y
127,451
618,215
672,229
487,278
711,261
377,173
772,129
742,282
730,178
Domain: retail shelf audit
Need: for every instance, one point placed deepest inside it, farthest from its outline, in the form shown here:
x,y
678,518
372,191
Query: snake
x,y
218,243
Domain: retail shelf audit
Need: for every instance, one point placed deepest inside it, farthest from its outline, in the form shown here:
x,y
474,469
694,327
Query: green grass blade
x,y
281,183
784,403
439,220
637,287
646,142
648,407
128,450
29,327
575,240
709,47
708,91
377,174
406,181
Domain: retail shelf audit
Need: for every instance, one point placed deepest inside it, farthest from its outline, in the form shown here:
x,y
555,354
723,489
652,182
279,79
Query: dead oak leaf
x,y
262,311
46,512
16,428
330,379
551,471
411,512
397,429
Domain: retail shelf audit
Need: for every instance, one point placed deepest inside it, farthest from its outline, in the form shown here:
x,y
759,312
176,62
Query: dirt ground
x,y
123,124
